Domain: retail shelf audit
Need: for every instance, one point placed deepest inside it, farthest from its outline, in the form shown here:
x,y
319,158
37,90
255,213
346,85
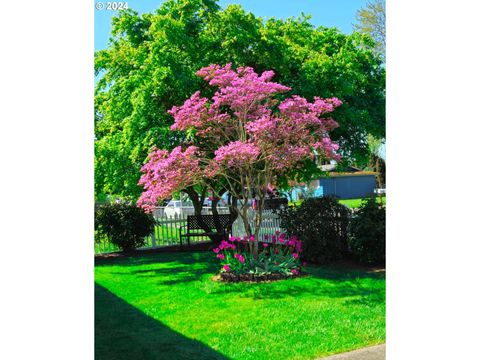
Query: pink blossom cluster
x,y
237,154
297,105
240,89
167,172
190,114
265,125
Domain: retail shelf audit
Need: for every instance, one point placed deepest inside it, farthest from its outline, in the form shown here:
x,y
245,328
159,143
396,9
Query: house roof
x,y
349,171
332,168
356,173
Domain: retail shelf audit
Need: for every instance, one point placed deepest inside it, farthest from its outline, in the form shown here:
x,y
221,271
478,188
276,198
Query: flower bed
x,y
278,258
230,277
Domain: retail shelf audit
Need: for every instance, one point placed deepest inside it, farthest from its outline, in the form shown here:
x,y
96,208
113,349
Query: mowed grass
x,y
166,306
351,203
356,203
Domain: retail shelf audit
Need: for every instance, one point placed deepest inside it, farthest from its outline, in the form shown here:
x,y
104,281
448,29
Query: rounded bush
x,y
367,238
125,225
321,224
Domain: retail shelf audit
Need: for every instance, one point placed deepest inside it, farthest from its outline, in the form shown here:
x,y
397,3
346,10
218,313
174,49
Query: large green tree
x,y
371,21
150,64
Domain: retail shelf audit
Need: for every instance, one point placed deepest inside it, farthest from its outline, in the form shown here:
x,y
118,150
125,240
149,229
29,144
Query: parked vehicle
x,y
221,203
175,207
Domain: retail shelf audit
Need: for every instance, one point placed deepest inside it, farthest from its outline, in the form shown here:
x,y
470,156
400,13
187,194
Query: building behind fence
x,y
167,228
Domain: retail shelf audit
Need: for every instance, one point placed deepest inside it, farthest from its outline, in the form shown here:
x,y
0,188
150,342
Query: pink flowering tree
x,y
244,137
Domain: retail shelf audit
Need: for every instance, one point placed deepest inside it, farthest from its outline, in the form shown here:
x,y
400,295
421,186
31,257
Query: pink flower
x,y
237,154
221,256
216,250
226,267
280,135
304,264
295,255
241,259
295,271
265,245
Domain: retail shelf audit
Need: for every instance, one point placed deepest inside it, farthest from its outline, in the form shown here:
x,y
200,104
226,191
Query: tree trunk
x,y
197,201
258,225
216,219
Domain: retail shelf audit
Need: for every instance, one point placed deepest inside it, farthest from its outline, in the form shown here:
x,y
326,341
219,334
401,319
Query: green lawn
x,y
355,203
351,203
166,306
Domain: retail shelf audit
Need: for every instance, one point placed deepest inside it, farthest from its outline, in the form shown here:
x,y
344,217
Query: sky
x,y
338,13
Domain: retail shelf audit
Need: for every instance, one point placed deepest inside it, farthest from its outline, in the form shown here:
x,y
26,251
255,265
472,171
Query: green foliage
x,y
371,21
321,224
151,60
166,306
125,225
367,239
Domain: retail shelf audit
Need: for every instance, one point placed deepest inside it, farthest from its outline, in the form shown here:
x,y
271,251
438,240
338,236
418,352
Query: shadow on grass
x,y
357,286
173,268
123,332
146,258
353,292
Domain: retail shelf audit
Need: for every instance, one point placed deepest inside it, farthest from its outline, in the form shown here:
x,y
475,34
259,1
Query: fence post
x,y
154,245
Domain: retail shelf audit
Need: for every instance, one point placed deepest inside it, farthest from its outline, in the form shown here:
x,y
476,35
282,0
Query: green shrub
x,y
367,238
321,224
125,225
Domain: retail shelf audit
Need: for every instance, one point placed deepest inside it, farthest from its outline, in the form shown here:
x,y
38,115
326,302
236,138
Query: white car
x,y
174,207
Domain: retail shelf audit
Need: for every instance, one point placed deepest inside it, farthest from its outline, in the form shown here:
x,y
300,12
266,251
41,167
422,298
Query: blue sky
x,y
339,13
